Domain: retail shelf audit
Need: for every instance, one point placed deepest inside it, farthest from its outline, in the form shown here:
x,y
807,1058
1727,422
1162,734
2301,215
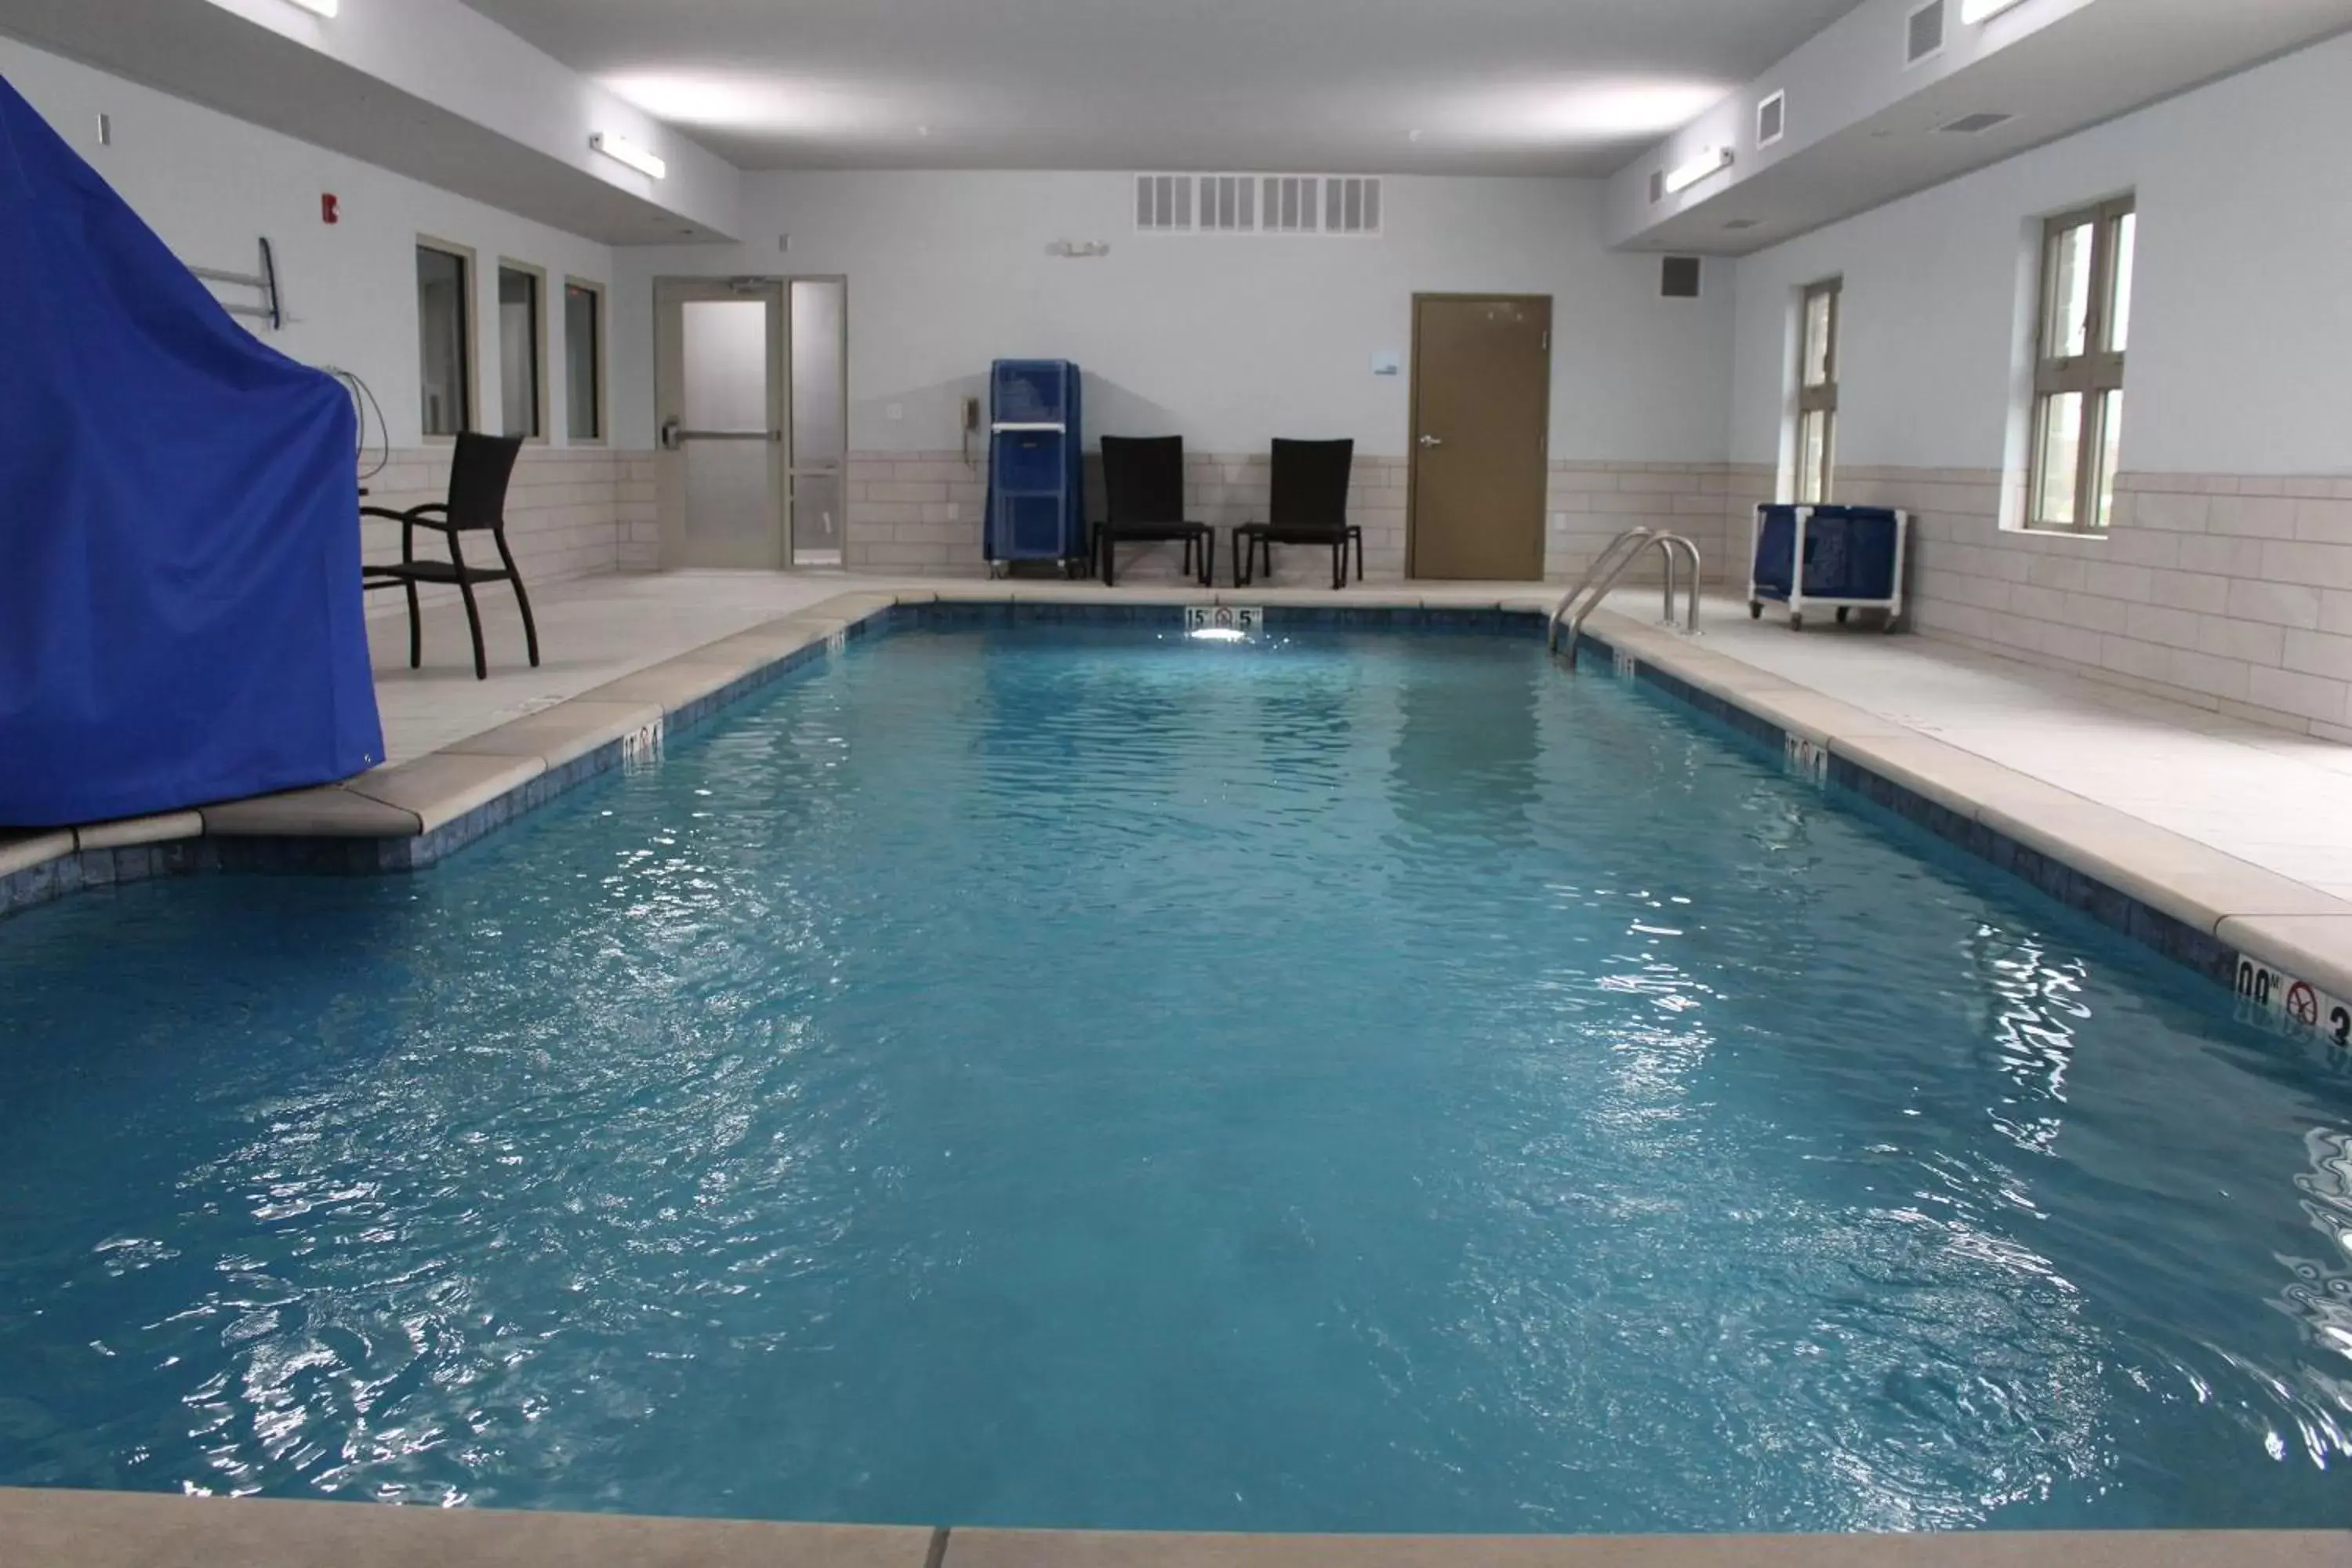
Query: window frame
x,y
469,389
1819,398
2093,374
543,427
598,367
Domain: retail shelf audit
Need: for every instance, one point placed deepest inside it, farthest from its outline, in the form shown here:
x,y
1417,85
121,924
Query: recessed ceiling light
x,y
1975,11
621,149
1739,223
321,8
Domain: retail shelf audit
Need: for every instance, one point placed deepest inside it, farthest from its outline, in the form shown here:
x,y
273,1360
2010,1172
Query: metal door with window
x,y
719,407
1481,424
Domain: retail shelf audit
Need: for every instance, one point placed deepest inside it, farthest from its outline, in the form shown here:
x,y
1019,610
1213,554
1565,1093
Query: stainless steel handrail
x,y
1612,563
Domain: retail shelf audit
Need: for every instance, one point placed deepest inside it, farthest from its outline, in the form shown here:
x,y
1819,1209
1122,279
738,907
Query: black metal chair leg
x,y
1208,561
415,629
522,600
1359,554
530,626
1110,560
474,623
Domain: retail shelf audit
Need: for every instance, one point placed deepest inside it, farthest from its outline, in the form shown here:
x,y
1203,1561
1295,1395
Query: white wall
x,y
1224,341
453,56
2242,339
212,186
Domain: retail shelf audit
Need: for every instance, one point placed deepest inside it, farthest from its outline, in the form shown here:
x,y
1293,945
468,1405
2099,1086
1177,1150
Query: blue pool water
x,y
1061,1077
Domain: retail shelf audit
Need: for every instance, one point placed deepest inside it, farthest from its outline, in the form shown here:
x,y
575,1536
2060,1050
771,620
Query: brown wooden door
x,y
1481,424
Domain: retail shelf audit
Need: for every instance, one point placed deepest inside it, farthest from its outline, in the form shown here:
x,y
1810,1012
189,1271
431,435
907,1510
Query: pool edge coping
x,y
2269,939
66,1528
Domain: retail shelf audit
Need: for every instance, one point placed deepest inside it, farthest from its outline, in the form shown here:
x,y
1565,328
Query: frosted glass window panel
x,y
726,346
820,397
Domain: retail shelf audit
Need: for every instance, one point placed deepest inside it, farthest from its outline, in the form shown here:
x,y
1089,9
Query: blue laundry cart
x,y
1036,466
1852,557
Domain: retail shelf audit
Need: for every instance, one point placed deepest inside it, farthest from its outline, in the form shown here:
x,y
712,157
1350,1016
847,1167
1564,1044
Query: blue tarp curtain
x,y
179,603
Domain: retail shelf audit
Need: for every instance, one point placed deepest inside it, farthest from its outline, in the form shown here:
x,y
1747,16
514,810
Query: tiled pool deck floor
x,y
105,1529
2238,837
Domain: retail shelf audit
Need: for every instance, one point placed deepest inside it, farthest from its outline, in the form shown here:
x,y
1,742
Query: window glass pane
x,y
583,391
2066,332
2126,236
2111,445
1817,337
2058,441
519,351
1814,458
444,372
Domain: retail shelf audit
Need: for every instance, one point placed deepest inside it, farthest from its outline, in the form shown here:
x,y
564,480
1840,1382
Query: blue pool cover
x,y
180,615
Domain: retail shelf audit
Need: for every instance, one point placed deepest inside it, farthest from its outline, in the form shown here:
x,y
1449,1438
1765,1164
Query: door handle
x,y
669,433
1431,441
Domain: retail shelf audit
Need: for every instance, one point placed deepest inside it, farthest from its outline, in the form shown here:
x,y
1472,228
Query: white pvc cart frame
x,y
1799,604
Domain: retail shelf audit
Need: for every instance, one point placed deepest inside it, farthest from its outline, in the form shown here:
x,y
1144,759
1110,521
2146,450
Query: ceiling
x,y
1503,87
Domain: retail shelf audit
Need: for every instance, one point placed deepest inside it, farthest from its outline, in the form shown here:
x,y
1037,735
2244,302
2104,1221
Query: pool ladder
x,y
1623,551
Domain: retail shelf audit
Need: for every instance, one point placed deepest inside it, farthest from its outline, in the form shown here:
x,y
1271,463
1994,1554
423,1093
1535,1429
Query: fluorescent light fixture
x,y
1706,167
1975,11
323,7
621,149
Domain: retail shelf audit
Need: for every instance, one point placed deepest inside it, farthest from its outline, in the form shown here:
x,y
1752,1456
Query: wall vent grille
x,y
1163,204
1340,206
1771,120
1678,276
1923,37
1228,204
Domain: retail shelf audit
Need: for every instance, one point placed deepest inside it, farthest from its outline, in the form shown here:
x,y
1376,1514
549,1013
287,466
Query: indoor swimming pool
x,y
1067,1074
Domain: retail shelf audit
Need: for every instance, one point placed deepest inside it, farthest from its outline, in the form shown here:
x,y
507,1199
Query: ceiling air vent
x,y
1924,33
1974,124
1737,224
1678,279
1229,204
1163,204
1771,120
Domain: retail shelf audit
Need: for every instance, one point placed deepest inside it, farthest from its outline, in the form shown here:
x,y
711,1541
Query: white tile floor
x,y
2280,801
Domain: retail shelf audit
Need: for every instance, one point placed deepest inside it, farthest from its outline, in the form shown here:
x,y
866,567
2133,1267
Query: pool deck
x,y
2238,836
106,1530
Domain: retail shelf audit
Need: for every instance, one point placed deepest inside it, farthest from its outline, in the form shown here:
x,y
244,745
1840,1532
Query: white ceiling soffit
x,y
423,88
1863,130
1490,87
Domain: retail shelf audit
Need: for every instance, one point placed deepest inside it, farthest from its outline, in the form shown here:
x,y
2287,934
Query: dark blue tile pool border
x,y
1875,793
88,869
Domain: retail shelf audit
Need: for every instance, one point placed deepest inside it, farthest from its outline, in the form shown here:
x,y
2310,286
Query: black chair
x,y
478,473
1143,492
1308,506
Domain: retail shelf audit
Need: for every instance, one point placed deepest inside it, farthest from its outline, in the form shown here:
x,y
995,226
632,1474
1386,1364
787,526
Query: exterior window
x,y
444,339
522,331
583,362
1817,394
2078,377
